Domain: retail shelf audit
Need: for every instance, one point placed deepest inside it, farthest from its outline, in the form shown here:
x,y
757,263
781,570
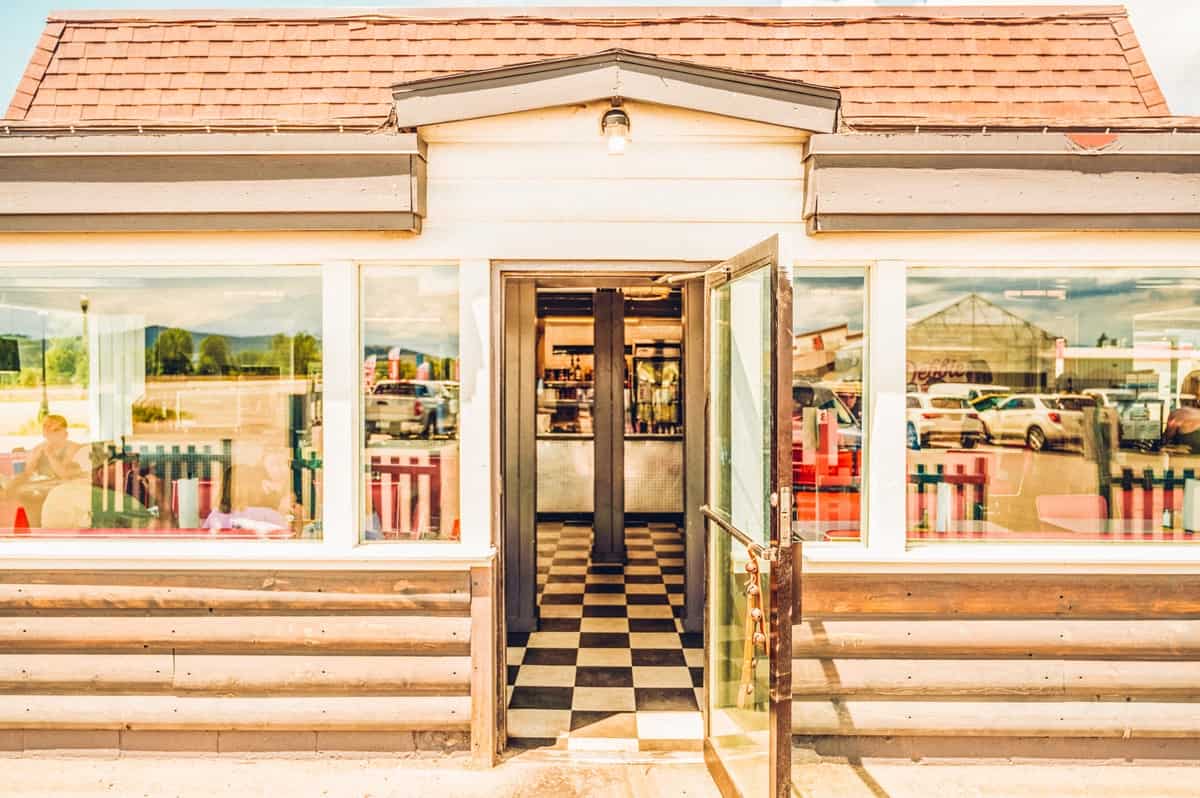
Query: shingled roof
x,y
950,66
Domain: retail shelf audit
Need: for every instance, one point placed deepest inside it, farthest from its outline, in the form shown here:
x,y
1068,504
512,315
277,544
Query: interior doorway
x,y
602,402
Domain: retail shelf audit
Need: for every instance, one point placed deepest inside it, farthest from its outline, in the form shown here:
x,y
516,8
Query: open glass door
x,y
748,508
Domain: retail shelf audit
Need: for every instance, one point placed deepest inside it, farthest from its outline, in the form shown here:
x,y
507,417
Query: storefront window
x,y
828,434
1053,405
410,403
161,403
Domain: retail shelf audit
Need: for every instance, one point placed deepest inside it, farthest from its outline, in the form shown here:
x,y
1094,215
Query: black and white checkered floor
x,y
609,668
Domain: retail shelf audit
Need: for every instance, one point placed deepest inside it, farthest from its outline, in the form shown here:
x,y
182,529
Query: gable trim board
x,y
616,74
210,182
1026,181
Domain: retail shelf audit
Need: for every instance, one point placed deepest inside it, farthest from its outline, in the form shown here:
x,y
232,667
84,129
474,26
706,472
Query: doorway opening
x,y
603,559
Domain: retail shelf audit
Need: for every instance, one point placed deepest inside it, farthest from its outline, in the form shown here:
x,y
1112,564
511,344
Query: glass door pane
x,y
748,733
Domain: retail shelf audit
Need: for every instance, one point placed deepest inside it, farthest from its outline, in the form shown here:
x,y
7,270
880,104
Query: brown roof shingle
x,y
310,67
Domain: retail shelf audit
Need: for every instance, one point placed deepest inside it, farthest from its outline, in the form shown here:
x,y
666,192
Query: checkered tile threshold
x,y
609,668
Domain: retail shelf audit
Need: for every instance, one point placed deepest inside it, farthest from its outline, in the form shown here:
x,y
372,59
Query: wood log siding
x,y
432,592
240,650
1116,596
998,655
256,674
280,634
46,599
271,713
1017,718
933,639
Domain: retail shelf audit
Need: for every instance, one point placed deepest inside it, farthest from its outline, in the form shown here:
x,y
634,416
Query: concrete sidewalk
x,y
520,776
902,779
535,773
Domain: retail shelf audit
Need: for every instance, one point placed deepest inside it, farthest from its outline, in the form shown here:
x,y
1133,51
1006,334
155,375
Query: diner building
x,y
758,382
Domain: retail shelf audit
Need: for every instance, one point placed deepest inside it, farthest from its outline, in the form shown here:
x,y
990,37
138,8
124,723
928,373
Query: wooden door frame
x,y
569,273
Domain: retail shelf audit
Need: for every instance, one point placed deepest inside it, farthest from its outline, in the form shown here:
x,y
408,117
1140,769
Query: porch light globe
x,y
615,126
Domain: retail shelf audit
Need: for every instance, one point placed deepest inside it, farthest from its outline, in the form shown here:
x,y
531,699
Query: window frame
x,y
478,275
343,460
799,270
885,546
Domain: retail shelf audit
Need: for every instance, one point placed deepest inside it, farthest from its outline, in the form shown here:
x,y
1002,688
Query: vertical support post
x,y
518,448
886,449
485,682
694,455
341,357
475,408
609,426
786,579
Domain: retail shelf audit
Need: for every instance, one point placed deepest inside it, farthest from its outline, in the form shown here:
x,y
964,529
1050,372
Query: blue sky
x,y
1167,29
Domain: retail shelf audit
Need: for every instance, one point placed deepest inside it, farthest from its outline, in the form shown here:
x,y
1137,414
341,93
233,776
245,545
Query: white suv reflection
x,y
1040,421
949,420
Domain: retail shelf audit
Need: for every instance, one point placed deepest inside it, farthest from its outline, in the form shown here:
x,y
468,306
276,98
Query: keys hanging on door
x,y
755,631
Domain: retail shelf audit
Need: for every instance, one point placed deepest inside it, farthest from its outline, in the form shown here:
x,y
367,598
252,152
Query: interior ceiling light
x,y
615,127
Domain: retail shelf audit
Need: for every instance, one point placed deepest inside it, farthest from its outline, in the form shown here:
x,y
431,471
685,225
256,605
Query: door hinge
x,y
680,277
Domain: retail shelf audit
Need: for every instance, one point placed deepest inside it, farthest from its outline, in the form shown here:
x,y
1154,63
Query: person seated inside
x,y
49,464
54,457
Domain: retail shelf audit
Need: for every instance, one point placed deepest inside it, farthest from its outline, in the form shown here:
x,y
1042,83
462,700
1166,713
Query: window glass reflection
x,y
161,403
410,402
827,403
1074,404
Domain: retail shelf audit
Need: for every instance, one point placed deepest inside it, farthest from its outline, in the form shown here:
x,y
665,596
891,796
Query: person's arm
x,y
64,467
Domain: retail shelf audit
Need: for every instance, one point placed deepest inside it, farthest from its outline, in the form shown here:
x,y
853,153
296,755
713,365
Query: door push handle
x,y
754,630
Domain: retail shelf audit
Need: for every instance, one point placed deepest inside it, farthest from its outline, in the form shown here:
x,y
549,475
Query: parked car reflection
x,y
821,397
412,407
1040,421
948,420
1138,419
971,391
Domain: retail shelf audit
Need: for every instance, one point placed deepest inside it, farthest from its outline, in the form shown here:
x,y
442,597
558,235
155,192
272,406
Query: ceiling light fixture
x,y
615,127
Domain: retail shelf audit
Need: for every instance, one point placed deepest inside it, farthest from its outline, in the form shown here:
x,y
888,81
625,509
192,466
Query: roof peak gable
x,y
618,74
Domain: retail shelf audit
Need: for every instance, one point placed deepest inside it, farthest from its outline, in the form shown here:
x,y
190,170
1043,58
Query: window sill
x,y
1115,557
298,555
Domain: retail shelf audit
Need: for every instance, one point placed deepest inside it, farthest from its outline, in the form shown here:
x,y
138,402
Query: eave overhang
x,y
134,182
859,182
616,74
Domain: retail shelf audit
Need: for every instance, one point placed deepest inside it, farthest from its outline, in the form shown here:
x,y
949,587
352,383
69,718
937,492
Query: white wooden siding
x,y
678,168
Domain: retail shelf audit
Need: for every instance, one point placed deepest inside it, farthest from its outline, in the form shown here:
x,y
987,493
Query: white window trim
x,y
885,546
475,403
342,458
340,371
884,447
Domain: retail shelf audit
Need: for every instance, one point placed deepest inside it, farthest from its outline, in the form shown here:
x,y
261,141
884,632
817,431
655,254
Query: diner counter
x,y
566,473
